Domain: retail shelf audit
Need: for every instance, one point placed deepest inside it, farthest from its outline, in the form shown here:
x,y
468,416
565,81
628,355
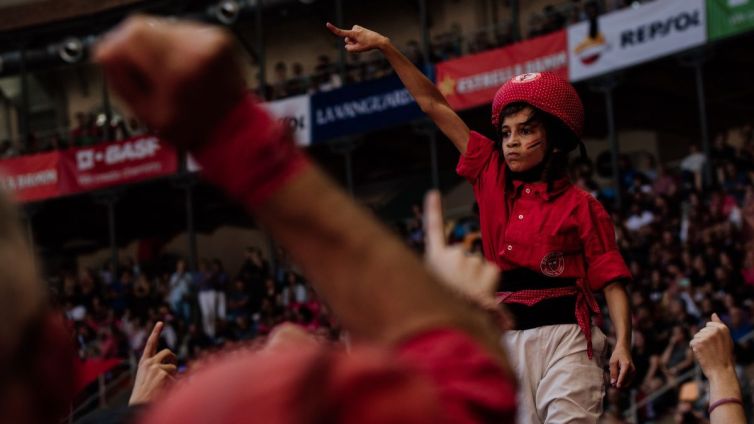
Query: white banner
x,y
635,35
295,113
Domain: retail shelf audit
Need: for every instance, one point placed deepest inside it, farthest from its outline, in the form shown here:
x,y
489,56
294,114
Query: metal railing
x,y
106,389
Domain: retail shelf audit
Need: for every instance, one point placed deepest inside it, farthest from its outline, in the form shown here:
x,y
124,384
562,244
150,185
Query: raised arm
x,y
429,98
375,285
713,348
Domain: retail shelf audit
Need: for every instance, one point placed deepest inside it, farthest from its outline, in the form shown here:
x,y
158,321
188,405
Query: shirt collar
x,y
540,188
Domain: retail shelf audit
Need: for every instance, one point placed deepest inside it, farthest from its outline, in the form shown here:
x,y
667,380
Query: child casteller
x,y
554,243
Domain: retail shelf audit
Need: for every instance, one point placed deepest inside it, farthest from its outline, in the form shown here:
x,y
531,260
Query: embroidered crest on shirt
x,y
552,264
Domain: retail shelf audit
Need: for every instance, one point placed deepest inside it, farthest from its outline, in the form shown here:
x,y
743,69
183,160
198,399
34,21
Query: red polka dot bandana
x,y
546,91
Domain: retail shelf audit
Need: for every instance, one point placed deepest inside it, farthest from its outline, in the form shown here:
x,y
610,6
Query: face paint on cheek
x,y
534,144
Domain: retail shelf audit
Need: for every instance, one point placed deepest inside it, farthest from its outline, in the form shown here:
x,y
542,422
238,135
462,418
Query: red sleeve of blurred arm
x,y
472,387
250,155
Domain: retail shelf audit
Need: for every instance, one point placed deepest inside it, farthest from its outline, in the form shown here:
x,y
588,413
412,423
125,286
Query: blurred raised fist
x,y
180,78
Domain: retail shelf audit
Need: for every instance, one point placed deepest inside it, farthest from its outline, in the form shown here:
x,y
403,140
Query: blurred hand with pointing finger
x,y
471,276
156,370
359,39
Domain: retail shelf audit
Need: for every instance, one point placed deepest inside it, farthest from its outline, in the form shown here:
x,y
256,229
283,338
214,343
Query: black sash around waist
x,y
560,310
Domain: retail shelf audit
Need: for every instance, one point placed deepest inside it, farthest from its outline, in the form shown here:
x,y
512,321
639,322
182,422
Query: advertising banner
x,y
104,165
294,113
31,178
729,17
634,35
473,80
361,108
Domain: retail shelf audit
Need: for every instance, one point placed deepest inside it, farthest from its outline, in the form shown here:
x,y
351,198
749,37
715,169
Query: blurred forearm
x,y
375,285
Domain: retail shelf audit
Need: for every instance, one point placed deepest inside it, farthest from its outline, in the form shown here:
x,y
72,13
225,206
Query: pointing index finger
x,y
150,348
433,222
340,32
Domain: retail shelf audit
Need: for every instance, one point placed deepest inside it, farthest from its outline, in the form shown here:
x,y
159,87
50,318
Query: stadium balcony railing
x,y
108,386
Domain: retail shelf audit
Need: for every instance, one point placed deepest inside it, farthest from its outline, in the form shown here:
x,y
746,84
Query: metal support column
x,y
109,199
110,202
345,147
424,27
515,20
108,110
614,148
261,57
494,15
428,129
349,172
273,256
190,230
23,112
7,119
433,157
695,59
606,85
340,23
703,128
28,215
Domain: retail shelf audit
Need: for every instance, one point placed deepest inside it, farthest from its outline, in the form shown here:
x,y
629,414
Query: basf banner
x,y
361,108
729,17
294,113
122,162
473,80
632,36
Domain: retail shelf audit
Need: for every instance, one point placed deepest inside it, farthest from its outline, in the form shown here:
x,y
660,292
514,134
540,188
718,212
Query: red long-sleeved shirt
x,y
564,233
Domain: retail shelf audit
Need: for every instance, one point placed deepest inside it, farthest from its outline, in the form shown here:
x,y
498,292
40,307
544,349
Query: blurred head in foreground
x,y
36,380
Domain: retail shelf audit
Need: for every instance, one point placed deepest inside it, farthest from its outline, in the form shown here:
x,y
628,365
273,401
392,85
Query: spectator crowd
x,y
202,311
686,237
444,45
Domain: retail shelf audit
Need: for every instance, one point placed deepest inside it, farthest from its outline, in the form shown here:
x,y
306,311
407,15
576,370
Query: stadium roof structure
x,y
20,14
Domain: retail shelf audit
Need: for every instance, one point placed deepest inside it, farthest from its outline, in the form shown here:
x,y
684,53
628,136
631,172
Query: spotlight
x,y
71,50
227,11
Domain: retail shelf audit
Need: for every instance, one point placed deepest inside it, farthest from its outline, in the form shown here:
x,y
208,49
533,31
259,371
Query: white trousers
x,y
221,305
558,383
208,307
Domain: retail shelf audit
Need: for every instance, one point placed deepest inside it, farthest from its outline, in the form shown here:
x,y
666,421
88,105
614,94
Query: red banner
x,y
123,162
31,178
47,175
473,80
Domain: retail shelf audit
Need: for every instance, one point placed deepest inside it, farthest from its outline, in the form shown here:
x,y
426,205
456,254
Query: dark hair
x,y
558,135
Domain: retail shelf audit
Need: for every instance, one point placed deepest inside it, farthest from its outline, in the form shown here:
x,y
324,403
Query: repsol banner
x,y
635,35
294,113
361,108
729,17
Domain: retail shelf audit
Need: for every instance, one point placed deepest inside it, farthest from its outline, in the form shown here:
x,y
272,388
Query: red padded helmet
x,y
546,91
